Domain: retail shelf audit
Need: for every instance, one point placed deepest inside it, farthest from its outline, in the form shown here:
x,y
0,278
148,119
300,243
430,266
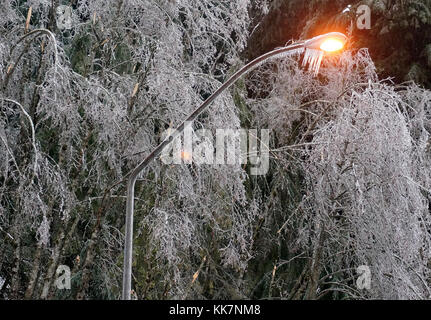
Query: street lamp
x,y
314,50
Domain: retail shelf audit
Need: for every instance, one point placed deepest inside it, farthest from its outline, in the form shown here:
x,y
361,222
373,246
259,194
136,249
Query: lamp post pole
x,y
312,44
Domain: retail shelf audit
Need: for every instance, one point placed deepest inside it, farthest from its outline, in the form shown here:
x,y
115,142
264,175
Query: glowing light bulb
x,y
331,45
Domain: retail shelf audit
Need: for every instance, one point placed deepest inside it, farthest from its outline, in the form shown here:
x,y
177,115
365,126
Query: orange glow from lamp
x,y
329,42
331,45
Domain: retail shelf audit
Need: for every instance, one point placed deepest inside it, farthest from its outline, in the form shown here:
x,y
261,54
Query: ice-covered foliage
x,y
98,94
363,174
358,149
82,102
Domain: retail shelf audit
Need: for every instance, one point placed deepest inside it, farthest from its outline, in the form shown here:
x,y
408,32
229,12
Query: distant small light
x,y
186,156
331,45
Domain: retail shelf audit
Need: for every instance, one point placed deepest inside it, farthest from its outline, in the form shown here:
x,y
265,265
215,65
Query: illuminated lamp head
x,y
330,42
316,47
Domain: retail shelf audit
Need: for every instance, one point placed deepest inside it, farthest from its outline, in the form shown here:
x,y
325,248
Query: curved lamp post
x,y
314,51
